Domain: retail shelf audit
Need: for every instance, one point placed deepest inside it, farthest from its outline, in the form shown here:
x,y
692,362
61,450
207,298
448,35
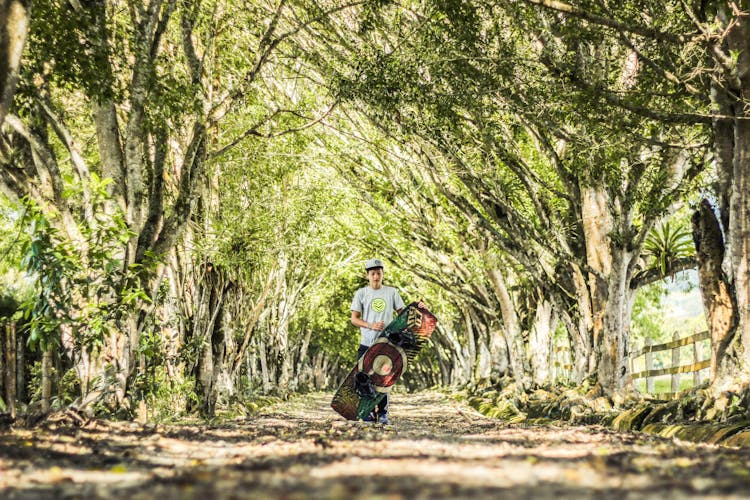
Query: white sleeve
x,y
357,301
398,302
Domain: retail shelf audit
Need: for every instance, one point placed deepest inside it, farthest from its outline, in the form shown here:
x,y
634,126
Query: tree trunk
x,y
540,343
3,331
725,284
110,150
46,380
303,360
482,366
21,369
512,330
470,346
715,290
498,353
10,368
459,359
613,351
597,226
265,375
739,217
207,327
580,328
443,364
14,24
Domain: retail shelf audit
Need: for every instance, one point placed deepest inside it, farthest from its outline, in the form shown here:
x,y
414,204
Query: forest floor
x,y
435,447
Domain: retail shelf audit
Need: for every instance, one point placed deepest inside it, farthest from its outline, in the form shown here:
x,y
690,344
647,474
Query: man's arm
x,y
358,321
420,305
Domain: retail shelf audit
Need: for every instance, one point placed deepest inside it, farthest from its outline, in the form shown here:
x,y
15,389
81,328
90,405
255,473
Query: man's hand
x,y
379,326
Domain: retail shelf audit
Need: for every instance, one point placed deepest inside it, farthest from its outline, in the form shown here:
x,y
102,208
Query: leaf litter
x,y
437,447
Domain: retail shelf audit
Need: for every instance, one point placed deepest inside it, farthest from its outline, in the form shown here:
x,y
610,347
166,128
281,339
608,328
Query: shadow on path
x,y
436,448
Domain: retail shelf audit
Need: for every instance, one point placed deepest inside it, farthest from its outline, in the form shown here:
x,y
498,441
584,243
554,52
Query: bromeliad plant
x,y
667,245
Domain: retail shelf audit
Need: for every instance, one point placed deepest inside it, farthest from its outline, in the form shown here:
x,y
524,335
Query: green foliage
x,y
69,46
52,263
647,321
168,398
151,350
66,388
88,288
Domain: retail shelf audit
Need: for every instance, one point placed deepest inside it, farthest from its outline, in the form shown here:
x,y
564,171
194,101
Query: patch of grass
x,y
663,383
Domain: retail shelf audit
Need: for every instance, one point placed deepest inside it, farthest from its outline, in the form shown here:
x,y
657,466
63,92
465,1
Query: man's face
x,y
375,276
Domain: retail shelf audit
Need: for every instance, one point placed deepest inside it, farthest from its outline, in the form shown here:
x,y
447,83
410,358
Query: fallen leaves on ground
x,y
436,447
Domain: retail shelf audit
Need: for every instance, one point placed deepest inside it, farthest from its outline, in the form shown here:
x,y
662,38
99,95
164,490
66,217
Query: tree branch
x,y
76,158
655,274
645,31
253,131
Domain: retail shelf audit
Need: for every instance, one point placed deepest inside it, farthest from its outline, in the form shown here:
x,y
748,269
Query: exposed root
x,y
698,414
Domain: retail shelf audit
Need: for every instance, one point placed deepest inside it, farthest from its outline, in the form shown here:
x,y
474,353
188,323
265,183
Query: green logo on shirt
x,y
378,305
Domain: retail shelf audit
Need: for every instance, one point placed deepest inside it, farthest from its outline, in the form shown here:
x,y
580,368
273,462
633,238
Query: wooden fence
x,y
694,366
562,366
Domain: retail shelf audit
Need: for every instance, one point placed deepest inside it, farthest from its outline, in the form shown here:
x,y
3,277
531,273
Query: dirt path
x,y
436,447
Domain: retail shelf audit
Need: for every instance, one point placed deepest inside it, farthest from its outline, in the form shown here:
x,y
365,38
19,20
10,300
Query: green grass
x,y
663,383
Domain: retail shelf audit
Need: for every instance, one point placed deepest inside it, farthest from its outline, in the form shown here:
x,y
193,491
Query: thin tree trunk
x,y
3,364
264,371
581,329
540,343
457,356
253,318
14,24
10,368
443,365
498,353
46,380
482,368
512,329
303,362
20,369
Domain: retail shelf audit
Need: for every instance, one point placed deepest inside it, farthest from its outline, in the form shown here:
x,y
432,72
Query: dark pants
x,y
382,407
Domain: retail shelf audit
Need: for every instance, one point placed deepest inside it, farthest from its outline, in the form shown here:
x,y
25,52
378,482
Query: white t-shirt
x,y
376,305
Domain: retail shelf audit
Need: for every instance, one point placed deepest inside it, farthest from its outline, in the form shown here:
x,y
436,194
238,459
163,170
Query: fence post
x,y
696,359
649,367
554,363
675,364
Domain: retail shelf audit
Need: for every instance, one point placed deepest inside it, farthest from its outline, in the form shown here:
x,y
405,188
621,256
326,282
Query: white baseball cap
x,y
373,263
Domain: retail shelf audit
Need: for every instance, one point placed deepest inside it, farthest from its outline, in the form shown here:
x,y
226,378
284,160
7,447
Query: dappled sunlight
x,y
436,447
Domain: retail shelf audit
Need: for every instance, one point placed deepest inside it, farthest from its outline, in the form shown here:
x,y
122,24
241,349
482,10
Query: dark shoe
x,y
383,419
370,418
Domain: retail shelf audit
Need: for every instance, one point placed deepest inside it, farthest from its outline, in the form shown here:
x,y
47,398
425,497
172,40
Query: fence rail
x,y
676,370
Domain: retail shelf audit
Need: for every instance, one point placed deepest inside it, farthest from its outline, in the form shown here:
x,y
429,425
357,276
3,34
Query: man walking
x,y
373,307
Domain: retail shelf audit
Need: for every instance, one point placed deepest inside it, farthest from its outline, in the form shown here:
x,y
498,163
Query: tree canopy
x,y
195,187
